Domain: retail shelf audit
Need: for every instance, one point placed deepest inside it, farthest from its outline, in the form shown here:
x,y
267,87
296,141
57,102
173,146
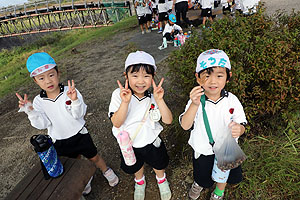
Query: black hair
x,y
135,68
211,69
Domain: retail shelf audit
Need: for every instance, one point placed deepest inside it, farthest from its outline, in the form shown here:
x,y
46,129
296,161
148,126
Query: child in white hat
x,y
209,101
61,110
133,107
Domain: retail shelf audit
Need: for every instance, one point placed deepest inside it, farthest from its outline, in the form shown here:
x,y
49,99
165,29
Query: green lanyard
x,y
206,123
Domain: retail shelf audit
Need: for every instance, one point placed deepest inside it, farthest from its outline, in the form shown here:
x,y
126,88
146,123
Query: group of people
x,y
147,10
135,109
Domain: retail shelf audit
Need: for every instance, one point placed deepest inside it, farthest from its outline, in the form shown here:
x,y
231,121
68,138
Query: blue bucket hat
x,y
172,18
39,63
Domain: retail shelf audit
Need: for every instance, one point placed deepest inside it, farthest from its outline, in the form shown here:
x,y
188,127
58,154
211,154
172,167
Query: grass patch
x,y
13,72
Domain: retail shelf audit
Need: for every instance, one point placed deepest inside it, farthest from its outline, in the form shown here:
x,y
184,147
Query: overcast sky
x,y
4,3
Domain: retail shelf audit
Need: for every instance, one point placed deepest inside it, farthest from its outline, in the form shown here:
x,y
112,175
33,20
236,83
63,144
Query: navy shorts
x,y
155,157
203,169
207,12
79,144
142,20
148,17
163,16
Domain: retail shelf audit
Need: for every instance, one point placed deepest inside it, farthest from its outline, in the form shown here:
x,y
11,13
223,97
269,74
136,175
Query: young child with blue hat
x,y
60,109
170,31
211,114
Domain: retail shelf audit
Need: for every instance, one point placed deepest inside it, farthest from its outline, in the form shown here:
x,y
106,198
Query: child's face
x,y
139,81
48,81
215,82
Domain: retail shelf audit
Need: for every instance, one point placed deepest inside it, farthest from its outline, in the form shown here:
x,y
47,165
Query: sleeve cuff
x,y
76,102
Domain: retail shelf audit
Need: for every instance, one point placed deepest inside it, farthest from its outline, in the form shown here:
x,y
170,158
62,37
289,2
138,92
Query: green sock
x,y
218,191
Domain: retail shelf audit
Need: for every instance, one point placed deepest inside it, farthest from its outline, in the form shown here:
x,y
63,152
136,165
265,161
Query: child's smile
x,y
139,82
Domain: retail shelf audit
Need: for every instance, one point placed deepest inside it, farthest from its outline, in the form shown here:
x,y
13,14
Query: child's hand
x,y
125,93
196,94
24,101
72,94
236,129
158,91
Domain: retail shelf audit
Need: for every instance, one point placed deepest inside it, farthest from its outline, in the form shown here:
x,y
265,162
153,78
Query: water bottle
x,y
175,41
126,148
51,165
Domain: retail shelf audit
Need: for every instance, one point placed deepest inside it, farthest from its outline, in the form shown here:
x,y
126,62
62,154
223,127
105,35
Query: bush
x,y
264,55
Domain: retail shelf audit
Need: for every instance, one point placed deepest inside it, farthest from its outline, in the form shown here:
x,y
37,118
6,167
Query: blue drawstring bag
x,y
50,162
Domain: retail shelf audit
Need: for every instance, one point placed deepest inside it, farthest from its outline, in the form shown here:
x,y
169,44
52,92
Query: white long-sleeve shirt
x,y
62,120
168,28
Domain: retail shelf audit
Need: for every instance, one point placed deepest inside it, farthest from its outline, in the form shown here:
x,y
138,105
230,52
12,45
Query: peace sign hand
x,y
23,102
158,91
72,93
125,93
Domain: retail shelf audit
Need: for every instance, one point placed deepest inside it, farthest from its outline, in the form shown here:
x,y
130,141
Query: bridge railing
x,y
63,17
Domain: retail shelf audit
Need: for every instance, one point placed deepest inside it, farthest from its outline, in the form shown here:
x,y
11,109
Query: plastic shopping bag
x,y
228,153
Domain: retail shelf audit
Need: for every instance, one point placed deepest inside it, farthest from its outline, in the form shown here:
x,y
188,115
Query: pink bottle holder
x,y
126,148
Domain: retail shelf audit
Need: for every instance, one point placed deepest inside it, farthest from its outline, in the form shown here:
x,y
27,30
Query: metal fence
x,y
62,17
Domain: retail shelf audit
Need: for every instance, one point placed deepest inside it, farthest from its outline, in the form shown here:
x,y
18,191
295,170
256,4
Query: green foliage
x,y
264,55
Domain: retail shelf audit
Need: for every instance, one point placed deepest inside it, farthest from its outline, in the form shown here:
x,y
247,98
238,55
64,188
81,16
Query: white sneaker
x,y
148,31
143,32
164,190
88,188
139,191
111,177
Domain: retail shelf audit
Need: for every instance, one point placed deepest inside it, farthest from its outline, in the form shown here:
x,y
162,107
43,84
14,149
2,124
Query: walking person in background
x,y
181,8
140,12
206,12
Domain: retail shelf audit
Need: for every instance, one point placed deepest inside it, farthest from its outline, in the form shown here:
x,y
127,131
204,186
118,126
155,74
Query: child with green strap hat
x,y
210,114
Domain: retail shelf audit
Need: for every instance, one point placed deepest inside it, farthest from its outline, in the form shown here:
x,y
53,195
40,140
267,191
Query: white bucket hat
x,y
139,57
212,58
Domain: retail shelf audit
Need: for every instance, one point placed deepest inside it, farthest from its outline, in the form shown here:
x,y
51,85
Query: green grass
x,y
13,72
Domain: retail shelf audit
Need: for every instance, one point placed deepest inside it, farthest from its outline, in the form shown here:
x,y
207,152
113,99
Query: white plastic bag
x,y
228,153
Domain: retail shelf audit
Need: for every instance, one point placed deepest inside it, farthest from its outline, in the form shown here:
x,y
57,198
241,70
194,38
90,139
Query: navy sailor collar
x,y
44,96
146,94
224,93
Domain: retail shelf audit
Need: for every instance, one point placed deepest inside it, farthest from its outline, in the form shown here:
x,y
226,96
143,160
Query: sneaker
x,y
170,42
162,47
139,191
164,190
203,27
213,196
195,190
160,31
148,31
111,177
88,188
143,32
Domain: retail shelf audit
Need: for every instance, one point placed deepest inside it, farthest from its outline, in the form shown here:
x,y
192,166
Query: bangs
x,y
135,68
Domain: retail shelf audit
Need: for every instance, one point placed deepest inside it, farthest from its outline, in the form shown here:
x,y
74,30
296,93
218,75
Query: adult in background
x,y
181,8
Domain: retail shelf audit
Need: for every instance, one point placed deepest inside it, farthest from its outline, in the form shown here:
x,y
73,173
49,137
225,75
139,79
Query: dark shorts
x,y
163,16
207,12
226,10
155,157
181,7
148,17
79,144
203,169
154,11
142,20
